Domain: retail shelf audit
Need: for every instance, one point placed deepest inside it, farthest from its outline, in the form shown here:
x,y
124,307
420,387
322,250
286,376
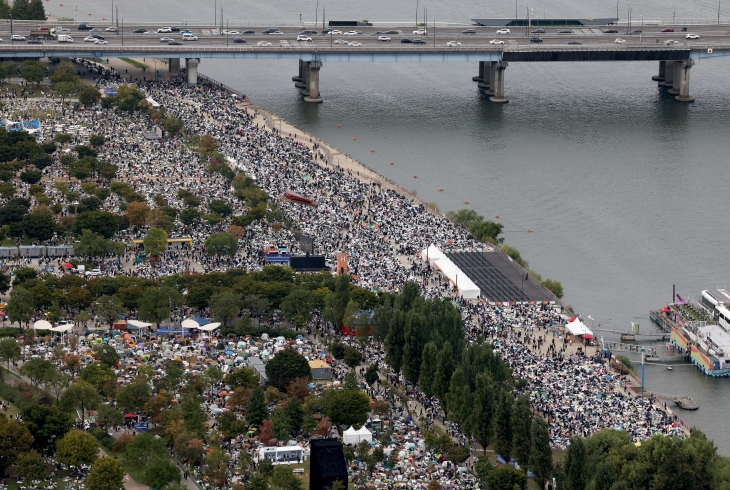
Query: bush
x,y
120,445
338,350
103,437
554,287
10,332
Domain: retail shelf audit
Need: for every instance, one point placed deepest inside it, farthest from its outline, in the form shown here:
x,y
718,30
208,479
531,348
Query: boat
x,y
298,197
669,368
628,336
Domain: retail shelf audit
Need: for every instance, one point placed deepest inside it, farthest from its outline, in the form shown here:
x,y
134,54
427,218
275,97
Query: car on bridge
x,y
17,37
340,41
111,29
405,40
610,31
97,36
503,31
620,41
420,32
392,32
101,41
61,30
84,27
351,33
263,43
186,31
328,31
174,43
90,39
637,31
189,37
667,29
419,41
693,36
535,40
469,31
250,31
385,39
239,40
139,31
162,39
453,44
302,37
565,31
229,33
355,44
671,42
309,32
496,41
163,30
539,31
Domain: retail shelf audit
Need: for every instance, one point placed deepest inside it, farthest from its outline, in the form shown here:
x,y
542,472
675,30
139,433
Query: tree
x,y
88,95
394,342
109,416
266,435
173,125
506,477
9,350
64,89
97,140
109,308
575,465
15,439
221,207
297,305
225,305
427,376
339,299
37,370
294,412
281,425
31,176
100,377
81,396
132,397
143,452
371,374
36,10
284,479
155,242
137,212
39,224
285,367
245,377
162,472
31,466
20,305
521,431
20,9
106,474
348,407
100,222
503,425
541,456
256,409
76,448
230,426
33,71
352,357
156,303
483,414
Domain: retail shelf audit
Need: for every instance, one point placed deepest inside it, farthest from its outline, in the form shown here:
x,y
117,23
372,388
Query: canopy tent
x,y
189,323
365,435
466,286
138,324
209,327
577,327
350,436
42,325
432,253
200,320
62,328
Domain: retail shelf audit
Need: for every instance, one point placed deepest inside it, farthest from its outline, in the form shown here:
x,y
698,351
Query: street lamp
x,y
227,26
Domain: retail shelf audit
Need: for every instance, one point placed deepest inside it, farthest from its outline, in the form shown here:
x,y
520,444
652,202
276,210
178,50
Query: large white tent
x,y
432,253
364,434
42,325
209,327
350,436
190,323
63,328
577,327
466,286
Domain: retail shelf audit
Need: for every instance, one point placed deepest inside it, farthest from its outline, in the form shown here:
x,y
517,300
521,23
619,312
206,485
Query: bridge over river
x,y
674,53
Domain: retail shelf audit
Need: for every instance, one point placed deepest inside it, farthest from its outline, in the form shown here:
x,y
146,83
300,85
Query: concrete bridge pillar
x,y
191,66
662,72
487,86
684,69
480,77
674,89
668,75
303,86
173,65
298,78
497,85
313,82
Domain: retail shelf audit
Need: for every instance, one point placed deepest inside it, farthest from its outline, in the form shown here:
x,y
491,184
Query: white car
x,y
108,29
17,37
87,39
341,41
101,41
453,44
164,30
350,33
302,37
670,42
503,31
61,30
230,33
162,39
384,39
336,32
189,37
496,41
620,41
93,272
420,32
693,36
355,44
263,43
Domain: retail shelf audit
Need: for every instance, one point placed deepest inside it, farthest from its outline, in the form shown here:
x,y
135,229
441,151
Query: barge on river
x,y
700,329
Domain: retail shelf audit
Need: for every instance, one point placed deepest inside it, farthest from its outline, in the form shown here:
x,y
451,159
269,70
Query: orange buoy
x,y
372,151
354,139
392,163
529,231
60,4
103,18
441,190
496,217
339,125
415,176
466,202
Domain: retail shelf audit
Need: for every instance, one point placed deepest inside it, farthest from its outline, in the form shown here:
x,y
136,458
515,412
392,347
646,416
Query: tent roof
x,y
577,327
351,431
364,431
42,325
189,323
63,328
138,324
210,326
200,320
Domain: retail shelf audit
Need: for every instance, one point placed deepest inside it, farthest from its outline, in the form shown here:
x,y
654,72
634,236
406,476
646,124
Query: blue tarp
x,y
277,258
110,91
200,321
172,331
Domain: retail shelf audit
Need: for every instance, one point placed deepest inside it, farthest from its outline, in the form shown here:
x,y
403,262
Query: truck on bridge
x,y
43,34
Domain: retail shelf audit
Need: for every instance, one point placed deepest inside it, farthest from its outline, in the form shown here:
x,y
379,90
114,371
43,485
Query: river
x,y
621,184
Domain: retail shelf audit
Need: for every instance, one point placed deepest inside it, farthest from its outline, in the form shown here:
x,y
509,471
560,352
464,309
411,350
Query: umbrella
x,y
67,265
130,416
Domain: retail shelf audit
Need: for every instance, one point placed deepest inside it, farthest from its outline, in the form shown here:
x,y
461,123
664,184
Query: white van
x,y
189,37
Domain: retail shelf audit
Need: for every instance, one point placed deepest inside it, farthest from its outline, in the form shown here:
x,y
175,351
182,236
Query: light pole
x,y
112,23
416,13
316,13
227,26
215,13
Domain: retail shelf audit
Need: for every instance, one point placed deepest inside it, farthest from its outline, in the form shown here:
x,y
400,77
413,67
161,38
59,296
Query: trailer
x,y
43,34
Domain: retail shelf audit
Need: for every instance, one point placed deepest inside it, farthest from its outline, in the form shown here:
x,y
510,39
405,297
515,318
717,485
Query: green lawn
x,y
134,63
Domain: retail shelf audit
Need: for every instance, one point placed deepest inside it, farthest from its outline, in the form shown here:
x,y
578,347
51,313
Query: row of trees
x,y
23,10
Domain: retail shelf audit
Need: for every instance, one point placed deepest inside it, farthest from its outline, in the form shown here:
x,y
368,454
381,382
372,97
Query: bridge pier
x,y
480,77
304,84
662,72
668,75
674,89
173,66
487,86
496,85
191,66
313,95
298,78
685,67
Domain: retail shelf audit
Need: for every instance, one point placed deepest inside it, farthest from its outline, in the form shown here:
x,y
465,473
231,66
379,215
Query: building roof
x,y
317,364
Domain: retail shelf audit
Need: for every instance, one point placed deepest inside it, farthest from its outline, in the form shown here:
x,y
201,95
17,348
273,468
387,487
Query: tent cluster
x,y
355,437
467,288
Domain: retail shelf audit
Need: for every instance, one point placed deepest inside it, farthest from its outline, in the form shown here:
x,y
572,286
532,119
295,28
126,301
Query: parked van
x,y
189,37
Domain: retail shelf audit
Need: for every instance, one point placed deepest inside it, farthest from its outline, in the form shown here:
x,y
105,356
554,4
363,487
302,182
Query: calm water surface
x,y
624,188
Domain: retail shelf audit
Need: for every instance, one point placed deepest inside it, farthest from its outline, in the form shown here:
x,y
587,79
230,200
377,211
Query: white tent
x,y
63,328
577,327
189,323
350,436
432,253
42,325
139,324
466,286
209,327
365,435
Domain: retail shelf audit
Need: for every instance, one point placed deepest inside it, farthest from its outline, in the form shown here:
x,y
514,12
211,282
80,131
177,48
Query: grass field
x,y
134,63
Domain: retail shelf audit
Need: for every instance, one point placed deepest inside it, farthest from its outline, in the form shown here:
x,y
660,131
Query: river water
x,y
622,185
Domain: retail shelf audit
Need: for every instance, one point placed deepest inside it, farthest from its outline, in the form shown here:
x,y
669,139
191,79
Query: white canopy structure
x,y
365,435
63,328
209,327
466,286
577,327
432,253
350,436
138,324
42,325
190,323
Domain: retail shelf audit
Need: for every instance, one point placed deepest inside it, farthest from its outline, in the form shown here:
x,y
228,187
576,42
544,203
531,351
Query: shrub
x,y
120,445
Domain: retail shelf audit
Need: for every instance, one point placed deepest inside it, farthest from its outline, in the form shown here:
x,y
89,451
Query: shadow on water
x,y
669,113
306,113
